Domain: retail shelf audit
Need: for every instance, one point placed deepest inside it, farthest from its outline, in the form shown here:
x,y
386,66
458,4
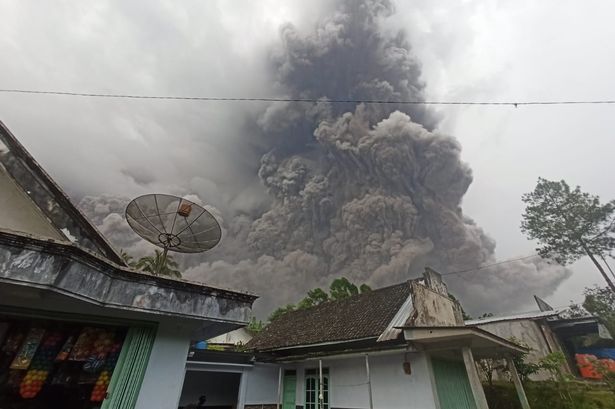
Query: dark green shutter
x,y
452,384
289,392
128,374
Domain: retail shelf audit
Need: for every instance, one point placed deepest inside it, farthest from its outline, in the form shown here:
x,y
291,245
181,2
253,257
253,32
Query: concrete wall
x,y
19,213
432,308
529,333
164,377
261,384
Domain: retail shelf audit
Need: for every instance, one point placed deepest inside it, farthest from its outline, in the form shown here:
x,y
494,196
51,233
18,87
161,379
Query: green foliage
x,y
567,223
576,311
156,264
601,303
255,326
363,288
545,395
339,289
315,296
524,368
342,288
281,311
488,366
128,259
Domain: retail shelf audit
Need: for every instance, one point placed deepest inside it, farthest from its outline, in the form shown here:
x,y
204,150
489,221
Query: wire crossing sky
x,y
308,100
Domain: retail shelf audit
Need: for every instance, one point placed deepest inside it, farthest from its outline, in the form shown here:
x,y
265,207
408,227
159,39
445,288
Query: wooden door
x,y
289,391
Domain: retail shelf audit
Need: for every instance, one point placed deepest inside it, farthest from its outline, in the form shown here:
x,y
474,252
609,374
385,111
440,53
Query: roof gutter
x,y
344,341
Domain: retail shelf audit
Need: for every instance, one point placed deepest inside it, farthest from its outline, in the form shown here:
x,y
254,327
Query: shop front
x,y
69,362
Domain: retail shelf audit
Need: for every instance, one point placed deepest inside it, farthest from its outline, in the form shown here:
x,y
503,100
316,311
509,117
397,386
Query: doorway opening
x,y
210,389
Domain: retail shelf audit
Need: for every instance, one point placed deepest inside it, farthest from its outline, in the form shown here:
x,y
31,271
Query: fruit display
x,y
42,363
100,388
102,344
83,346
28,349
66,348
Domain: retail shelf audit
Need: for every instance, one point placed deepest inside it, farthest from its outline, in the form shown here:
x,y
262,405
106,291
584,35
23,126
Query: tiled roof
x,y
357,317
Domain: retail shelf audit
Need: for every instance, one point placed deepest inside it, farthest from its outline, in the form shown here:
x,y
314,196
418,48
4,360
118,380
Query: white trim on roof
x,y
531,315
400,318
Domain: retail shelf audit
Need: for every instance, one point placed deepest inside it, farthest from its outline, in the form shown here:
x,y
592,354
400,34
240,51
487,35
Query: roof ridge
x,y
57,194
330,301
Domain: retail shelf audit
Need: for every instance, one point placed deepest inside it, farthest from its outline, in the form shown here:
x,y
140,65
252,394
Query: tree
x,y
128,259
339,289
601,303
157,264
255,326
314,297
342,288
281,311
569,224
524,367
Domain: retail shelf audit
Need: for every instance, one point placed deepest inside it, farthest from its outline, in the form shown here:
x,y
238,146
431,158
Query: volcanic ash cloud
x,y
372,192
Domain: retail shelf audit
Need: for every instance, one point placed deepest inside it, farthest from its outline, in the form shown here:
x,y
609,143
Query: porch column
x,y
518,385
475,383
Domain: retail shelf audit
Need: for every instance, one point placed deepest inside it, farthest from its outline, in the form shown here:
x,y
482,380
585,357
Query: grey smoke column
x,y
371,192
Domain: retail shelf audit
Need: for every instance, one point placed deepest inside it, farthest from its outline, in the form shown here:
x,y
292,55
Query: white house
x,y
403,346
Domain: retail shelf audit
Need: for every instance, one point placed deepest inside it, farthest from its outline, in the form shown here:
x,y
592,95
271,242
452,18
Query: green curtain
x,y
126,380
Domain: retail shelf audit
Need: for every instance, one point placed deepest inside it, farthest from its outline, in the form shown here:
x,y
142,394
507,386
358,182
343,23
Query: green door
x,y
452,384
288,394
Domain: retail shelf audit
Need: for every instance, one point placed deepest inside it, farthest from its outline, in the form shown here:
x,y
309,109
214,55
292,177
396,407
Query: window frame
x,y
313,374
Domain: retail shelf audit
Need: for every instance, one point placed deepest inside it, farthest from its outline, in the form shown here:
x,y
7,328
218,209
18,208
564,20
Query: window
x,y
312,391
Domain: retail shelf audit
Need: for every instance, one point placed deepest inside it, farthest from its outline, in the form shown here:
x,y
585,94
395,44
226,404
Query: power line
x,y
306,100
488,265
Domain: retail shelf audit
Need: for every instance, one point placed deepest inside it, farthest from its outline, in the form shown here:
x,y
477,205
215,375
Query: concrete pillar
x,y
243,386
475,383
518,385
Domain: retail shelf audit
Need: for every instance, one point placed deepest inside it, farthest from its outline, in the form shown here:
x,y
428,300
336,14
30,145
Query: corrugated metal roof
x,y
530,315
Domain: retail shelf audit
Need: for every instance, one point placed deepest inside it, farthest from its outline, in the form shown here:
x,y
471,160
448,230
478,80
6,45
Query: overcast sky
x,y
471,50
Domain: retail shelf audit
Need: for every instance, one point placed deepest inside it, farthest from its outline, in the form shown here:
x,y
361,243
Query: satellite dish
x,y
173,223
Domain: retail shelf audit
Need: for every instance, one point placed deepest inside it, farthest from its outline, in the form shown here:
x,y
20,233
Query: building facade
x,y
78,327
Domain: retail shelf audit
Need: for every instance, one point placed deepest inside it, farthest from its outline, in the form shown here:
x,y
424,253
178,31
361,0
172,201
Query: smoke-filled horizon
x,y
372,193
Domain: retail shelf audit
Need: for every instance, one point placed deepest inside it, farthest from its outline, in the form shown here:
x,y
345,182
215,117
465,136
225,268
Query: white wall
x,y
235,337
261,384
164,376
18,212
391,387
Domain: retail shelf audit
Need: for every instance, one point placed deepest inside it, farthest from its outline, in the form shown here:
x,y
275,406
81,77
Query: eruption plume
x,y
371,192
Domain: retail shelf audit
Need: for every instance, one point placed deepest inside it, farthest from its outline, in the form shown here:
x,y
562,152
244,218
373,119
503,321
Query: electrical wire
x,y
306,100
488,265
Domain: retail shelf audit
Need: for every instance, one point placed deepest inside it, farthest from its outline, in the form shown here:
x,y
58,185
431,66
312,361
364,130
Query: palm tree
x,y
157,264
128,259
